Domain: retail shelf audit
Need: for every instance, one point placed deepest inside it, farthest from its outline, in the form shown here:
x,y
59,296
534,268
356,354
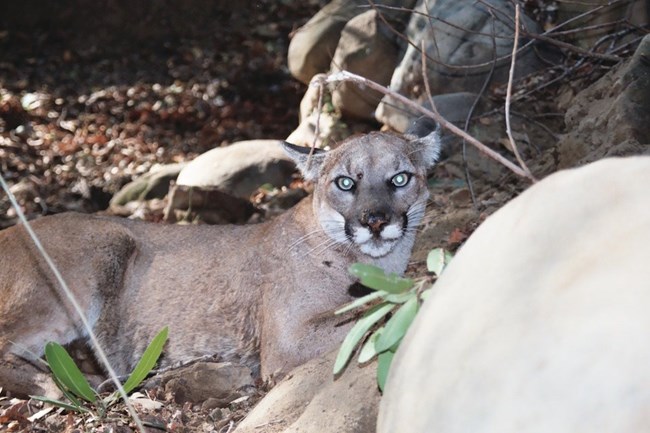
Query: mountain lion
x,y
255,294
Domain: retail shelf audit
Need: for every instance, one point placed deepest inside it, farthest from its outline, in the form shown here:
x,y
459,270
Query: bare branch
x,y
511,76
359,80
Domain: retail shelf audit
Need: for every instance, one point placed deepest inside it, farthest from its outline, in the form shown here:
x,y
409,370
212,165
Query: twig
x,y
320,110
488,79
321,90
575,48
511,75
427,89
68,294
348,76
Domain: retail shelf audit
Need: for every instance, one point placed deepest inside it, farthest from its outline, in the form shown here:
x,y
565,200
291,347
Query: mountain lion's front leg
x,y
287,343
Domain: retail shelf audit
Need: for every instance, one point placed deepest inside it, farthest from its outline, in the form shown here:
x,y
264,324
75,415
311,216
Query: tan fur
x,y
255,294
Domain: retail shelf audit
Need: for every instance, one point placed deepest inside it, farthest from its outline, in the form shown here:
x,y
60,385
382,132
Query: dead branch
x,y
343,76
511,75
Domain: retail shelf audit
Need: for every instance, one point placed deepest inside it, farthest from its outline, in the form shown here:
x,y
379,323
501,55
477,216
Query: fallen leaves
x,y
72,117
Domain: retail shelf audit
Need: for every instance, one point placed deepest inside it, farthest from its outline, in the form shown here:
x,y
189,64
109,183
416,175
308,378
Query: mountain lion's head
x,y
371,191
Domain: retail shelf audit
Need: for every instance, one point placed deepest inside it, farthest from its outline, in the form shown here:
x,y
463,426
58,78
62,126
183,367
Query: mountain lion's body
x,y
258,294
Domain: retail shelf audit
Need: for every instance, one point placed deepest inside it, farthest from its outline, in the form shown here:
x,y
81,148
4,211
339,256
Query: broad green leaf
x,y
59,403
383,365
437,260
67,372
147,362
368,350
67,394
372,316
375,278
397,325
359,302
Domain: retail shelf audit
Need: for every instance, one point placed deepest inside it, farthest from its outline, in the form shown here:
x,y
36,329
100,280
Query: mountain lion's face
x,y
371,191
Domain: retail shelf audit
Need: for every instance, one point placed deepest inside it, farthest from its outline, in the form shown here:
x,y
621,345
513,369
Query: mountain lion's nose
x,y
375,221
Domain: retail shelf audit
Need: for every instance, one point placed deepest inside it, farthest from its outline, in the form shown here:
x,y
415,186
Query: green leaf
x,y
66,392
397,326
368,350
399,298
359,302
426,294
59,403
383,365
375,278
437,260
372,316
147,362
67,372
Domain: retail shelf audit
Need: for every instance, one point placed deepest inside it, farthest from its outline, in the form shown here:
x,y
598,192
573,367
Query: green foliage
x,y
393,295
66,372
147,362
75,387
437,260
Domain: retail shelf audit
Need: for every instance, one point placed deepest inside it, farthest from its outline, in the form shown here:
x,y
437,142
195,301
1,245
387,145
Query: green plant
x,y
394,295
75,387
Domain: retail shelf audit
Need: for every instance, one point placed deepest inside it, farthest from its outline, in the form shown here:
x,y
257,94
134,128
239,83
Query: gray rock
x,y
365,48
309,400
240,168
314,44
635,13
221,382
209,205
539,323
459,49
154,184
610,117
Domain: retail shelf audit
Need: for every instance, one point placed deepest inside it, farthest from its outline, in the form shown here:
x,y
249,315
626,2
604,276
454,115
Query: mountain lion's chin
x,y
377,248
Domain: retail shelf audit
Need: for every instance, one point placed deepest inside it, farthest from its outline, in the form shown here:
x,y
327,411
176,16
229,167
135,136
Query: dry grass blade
x,y
511,75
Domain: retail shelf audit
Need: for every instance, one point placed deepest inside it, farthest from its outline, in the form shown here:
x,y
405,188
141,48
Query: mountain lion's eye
x,y
344,183
400,179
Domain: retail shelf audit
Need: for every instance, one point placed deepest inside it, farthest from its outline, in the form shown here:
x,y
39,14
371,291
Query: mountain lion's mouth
x,y
378,244
377,247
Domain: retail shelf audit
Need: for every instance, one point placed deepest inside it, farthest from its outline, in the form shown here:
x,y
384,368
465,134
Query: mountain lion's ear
x,y
424,136
308,166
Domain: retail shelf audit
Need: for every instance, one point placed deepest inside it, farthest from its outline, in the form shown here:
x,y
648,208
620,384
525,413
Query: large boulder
x,y
366,48
539,323
313,45
460,52
241,168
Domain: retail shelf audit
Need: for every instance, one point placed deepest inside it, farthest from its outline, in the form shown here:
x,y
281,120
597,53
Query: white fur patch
x,y
392,231
377,249
361,235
